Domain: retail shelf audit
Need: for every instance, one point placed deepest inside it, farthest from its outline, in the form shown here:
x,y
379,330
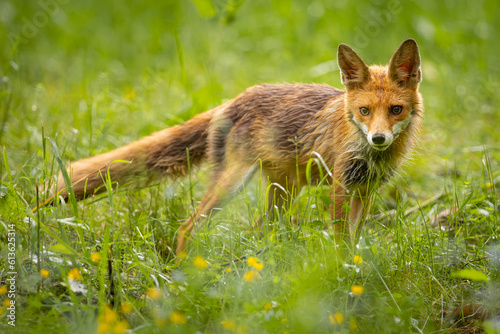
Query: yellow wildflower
x,y
353,324
182,255
284,320
3,289
268,307
154,293
488,185
130,94
160,322
259,266
95,257
108,315
200,262
242,330
255,263
229,325
252,260
251,276
2,311
103,328
358,259
126,307
44,273
228,270
336,318
178,318
357,289
6,303
121,327
339,317
75,274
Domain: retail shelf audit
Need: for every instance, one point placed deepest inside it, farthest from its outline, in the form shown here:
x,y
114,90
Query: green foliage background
x,y
95,75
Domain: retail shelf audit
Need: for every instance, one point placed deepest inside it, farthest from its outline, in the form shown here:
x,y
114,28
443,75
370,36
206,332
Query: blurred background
x,y
95,75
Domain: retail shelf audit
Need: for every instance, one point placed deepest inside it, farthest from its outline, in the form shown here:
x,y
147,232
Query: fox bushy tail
x,y
164,153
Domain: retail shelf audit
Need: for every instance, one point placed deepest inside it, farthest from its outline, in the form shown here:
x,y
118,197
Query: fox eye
x,y
364,111
396,110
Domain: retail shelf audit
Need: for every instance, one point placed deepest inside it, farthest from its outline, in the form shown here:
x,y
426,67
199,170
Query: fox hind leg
x,y
282,191
223,188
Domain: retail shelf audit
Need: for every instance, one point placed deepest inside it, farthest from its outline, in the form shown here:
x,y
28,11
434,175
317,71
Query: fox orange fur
x,y
362,134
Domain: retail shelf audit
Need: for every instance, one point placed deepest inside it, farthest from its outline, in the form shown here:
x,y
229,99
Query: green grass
x,y
97,75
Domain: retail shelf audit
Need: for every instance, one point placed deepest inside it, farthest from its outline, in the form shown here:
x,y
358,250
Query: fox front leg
x,y
348,210
339,213
359,207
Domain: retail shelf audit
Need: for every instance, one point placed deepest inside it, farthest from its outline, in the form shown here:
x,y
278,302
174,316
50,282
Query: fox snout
x,y
380,141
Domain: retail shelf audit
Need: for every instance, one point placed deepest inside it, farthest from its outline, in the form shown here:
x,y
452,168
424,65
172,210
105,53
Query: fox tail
x,y
164,153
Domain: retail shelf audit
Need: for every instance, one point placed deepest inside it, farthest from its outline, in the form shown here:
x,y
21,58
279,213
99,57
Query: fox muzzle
x,y
380,141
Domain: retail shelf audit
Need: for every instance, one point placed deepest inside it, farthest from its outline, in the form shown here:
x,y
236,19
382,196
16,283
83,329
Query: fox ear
x,y
404,67
353,70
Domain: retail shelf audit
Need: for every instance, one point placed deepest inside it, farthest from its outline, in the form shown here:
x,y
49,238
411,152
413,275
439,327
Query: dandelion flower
x,y
75,274
259,266
200,262
44,273
95,257
228,270
488,185
353,324
251,276
154,293
103,328
129,94
121,327
126,307
336,318
252,261
357,289
108,315
255,263
160,322
229,325
6,303
178,318
358,259
3,290
242,330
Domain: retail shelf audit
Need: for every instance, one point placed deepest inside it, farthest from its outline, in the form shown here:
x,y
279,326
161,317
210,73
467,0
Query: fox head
x,y
382,100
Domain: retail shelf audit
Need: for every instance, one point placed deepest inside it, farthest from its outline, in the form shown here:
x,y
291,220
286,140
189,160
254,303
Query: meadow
x,y
78,78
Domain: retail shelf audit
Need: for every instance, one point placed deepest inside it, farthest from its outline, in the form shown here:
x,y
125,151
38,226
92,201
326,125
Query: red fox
x,y
362,135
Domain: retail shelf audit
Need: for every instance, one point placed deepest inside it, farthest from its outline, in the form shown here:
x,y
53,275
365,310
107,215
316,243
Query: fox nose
x,y
378,139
